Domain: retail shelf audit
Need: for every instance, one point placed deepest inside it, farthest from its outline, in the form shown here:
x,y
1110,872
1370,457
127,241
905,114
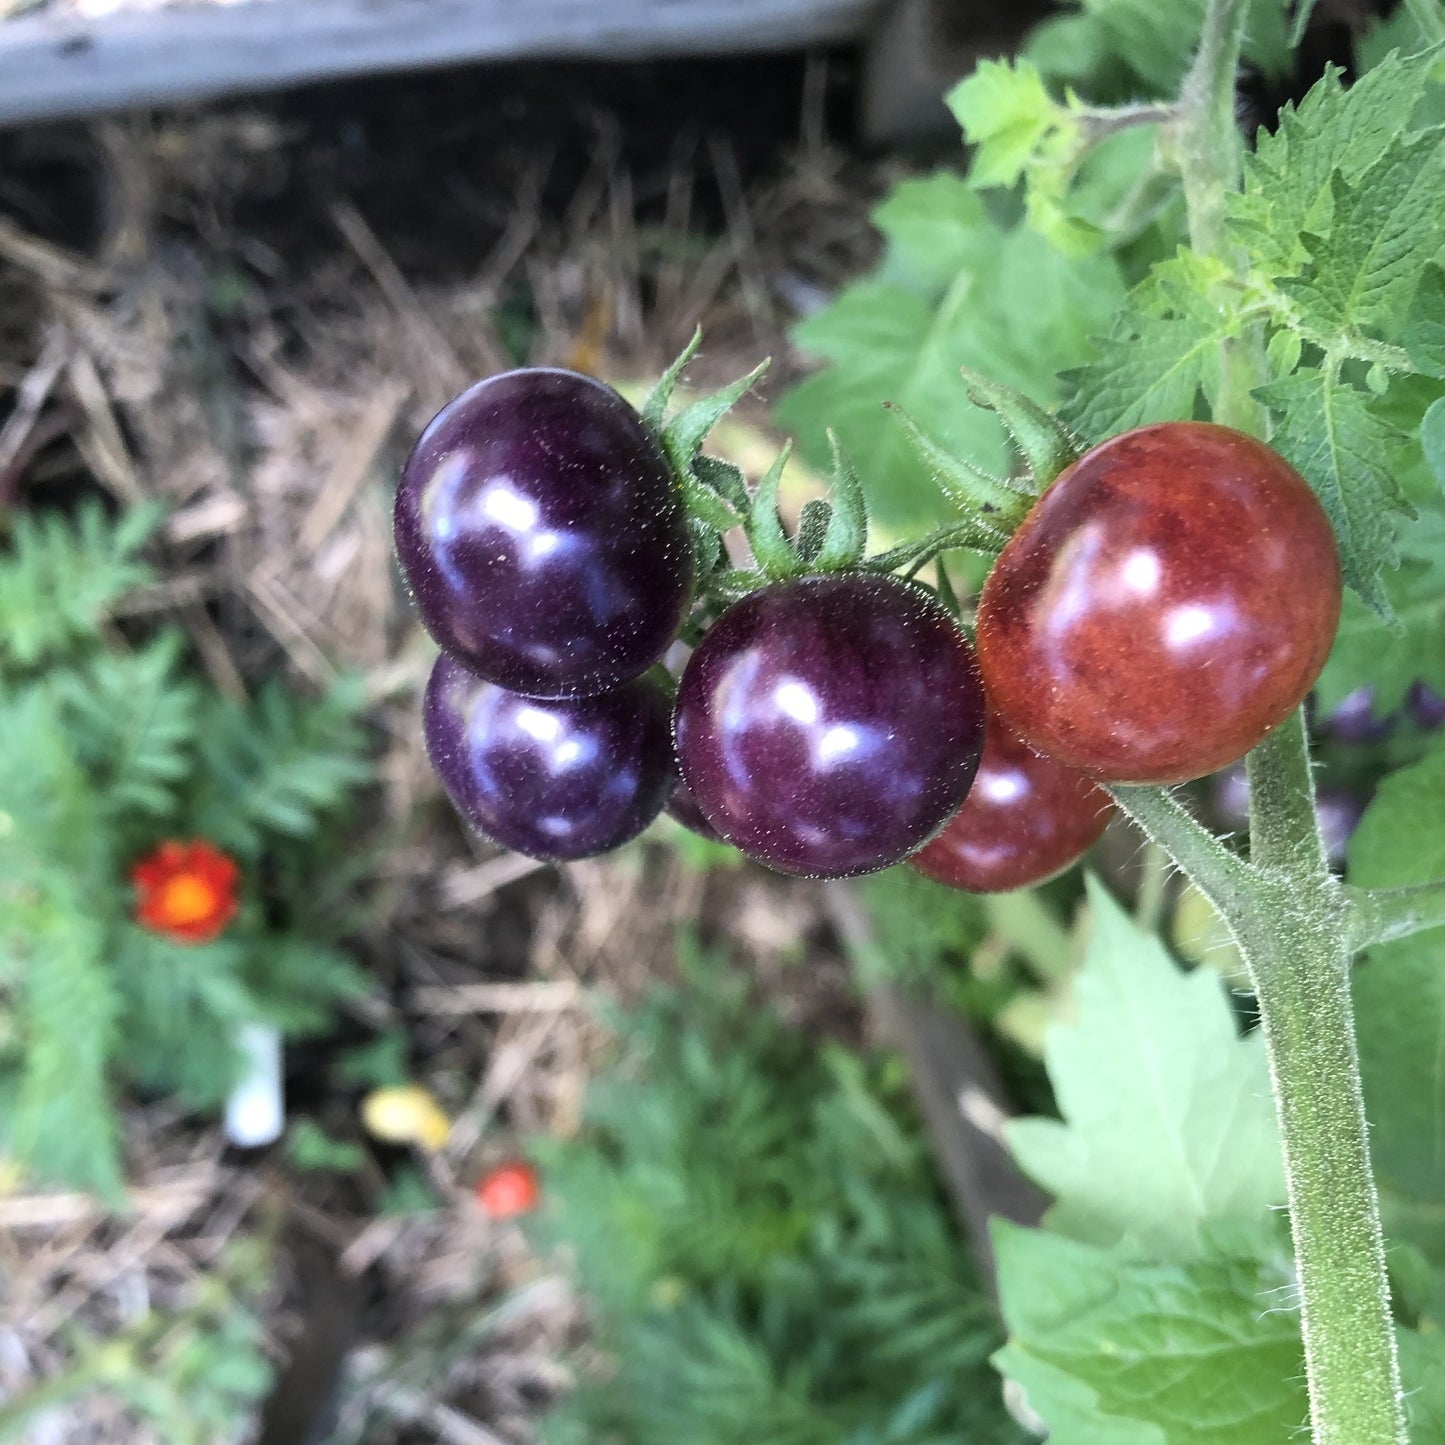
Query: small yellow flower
x,y
405,1114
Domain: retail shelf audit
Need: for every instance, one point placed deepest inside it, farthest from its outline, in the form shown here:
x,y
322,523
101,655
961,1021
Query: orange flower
x,y
186,891
509,1190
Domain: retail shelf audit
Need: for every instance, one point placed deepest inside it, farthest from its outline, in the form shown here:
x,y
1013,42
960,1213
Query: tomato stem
x,y
1382,915
1295,925
1284,830
1210,156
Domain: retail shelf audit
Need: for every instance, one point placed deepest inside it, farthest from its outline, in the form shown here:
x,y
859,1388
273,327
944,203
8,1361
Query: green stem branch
x,y
1291,919
1284,830
1211,162
1382,915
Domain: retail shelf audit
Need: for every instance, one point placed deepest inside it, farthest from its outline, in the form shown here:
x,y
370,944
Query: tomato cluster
x,y
1168,600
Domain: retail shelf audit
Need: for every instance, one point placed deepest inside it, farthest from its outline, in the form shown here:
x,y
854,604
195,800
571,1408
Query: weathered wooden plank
x,y
57,63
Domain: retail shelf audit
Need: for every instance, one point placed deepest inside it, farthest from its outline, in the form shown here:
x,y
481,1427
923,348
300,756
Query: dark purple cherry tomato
x,y
556,779
1026,818
1167,602
543,536
830,725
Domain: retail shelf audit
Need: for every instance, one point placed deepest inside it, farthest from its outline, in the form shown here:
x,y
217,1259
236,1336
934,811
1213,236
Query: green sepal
x,y
683,436
812,528
970,488
772,550
707,549
847,533
723,478
704,505
1043,442
944,588
658,398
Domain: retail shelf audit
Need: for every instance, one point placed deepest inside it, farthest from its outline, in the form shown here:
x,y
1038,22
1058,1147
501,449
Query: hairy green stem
x,y
1300,966
1222,876
1291,919
1382,915
1210,155
1284,830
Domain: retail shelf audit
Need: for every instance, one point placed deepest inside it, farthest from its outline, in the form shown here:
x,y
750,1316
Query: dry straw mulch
x,y
265,399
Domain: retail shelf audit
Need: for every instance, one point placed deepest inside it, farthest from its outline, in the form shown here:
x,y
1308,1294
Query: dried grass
x,y
268,416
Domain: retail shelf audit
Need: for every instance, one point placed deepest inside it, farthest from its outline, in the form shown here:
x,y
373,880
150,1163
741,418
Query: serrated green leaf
x,y
1006,112
1288,178
1111,1350
1424,333
1167,1121
1336,440
1364,271
62,1123
1152,374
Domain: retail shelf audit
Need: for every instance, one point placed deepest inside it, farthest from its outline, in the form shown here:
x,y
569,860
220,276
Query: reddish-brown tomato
x,y
1025,819
1167,602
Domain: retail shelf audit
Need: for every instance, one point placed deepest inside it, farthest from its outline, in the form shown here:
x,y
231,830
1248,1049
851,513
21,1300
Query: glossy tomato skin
x,y
559,779
829,726
1025,819
543,536
1167,602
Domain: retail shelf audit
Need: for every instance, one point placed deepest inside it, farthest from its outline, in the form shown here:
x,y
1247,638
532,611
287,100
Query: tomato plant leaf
x,y
1113,1350
1399,840
1008,114
1148,370
1364,271
1400,1019
1289,178
1335,438
1150,1068
1389,656
1008,301
1422,1363
1432,439
1424,334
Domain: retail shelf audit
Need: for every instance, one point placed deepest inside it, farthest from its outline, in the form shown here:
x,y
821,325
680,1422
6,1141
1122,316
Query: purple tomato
x,y
556,779
543,535
831,725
